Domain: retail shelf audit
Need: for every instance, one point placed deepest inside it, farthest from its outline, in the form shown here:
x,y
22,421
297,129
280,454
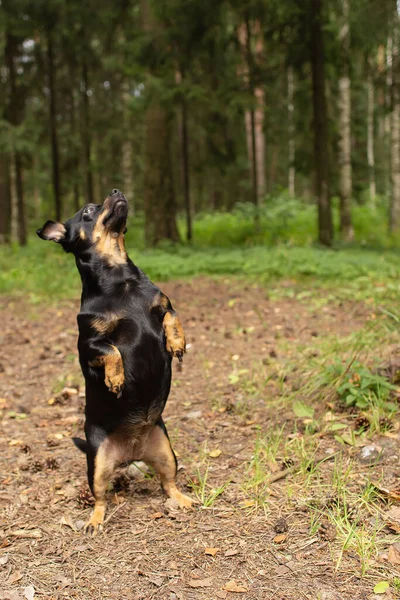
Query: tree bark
x,y
159,198
86,133
394,216
14,117
370,134
291,133
127,152
320,125
5,200
53,128
184,135
345,171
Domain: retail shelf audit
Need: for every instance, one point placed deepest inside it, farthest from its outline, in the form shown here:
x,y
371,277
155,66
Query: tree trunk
x,y
159,199
127,152
345,174
320,124
394,216
291,133
370,134
5,200
53,129
388,115
86,133
184,135
14,117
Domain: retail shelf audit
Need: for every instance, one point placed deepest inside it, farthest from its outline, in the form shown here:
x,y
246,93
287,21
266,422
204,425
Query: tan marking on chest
x,y
108,244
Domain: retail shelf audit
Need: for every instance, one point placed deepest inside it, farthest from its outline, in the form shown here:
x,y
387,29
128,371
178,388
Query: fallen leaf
x,y
157,581
279,539
221,594
231,552
381,587
15,577
156,515
215,453
232,586
29,592
66,520
247,503
394,554
4,560
198,583
211,551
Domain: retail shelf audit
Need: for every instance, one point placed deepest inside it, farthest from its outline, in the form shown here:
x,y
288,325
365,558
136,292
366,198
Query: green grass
x,y
44,270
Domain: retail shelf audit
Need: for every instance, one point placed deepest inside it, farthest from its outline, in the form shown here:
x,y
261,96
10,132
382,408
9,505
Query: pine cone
x,y
85,498
37,466
25,449
385,424
361,422
121,483
52,464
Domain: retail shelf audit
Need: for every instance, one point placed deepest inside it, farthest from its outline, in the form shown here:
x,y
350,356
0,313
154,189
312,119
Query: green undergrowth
x,y
42,270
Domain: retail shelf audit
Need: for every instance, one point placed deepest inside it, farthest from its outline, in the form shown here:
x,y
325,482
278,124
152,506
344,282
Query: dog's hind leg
x,y
159,455
100,469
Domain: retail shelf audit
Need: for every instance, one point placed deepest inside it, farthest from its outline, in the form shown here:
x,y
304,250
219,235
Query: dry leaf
x,y
4,560
157,581
231,553
156,515
215,453
221,594
394,554
279,539
198,583
15,577
211,551
232,586
66,520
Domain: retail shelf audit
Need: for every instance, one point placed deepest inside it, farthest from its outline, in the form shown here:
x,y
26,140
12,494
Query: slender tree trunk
x,y
159,198
394,216
388,115
53,128
5,200
14,116
345,174
325,226
370,134
184,135
127,152
86,133
291,133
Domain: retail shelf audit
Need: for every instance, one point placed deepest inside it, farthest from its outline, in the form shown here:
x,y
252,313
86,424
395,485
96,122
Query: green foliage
x,y
361,387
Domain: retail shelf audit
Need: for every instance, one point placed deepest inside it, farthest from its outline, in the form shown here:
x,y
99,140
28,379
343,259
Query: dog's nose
x,y
115,191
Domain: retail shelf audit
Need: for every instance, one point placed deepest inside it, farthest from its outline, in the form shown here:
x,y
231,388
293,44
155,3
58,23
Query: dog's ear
x,y
52,231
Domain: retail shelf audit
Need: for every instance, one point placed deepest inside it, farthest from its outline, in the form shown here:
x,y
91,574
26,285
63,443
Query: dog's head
x,y
96,228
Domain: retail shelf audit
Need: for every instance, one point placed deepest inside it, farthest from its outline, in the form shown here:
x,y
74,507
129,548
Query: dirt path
x,y
214,415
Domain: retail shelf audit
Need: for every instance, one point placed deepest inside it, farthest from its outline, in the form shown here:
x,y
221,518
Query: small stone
x,y
369,455
281,526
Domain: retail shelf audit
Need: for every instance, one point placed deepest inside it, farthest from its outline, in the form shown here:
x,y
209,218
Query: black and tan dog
x,y
128,334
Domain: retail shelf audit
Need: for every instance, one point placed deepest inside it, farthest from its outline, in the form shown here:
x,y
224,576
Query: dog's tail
x,y
81,444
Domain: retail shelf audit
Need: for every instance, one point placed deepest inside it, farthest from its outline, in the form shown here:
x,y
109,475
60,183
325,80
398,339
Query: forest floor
x,y
297,492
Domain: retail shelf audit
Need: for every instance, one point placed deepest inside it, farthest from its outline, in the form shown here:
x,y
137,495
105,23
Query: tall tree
x,y
14,114
320,123
53,125
345,173
370,131
159,197
5,200
291,132
394,217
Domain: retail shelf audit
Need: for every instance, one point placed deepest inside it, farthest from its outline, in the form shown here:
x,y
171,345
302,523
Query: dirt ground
x,y
229,547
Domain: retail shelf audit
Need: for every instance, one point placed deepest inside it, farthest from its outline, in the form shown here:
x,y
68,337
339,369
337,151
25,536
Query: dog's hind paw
x,y
115,384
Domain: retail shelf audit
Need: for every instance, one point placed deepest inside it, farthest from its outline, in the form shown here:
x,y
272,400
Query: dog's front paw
x,y
115,383
176,347
94,525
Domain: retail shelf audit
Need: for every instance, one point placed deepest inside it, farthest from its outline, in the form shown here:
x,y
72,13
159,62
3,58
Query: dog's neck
x,y
99,277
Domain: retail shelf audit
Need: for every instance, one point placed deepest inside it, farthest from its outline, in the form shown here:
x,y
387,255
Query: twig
x,y
113,512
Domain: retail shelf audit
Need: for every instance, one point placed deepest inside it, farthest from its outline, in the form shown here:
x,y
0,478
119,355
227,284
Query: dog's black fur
x,y
128,333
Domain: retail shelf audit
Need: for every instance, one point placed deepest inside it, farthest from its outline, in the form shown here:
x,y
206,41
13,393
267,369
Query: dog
x,y
128,335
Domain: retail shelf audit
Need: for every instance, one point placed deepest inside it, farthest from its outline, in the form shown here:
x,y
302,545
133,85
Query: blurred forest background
x,y
223,121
